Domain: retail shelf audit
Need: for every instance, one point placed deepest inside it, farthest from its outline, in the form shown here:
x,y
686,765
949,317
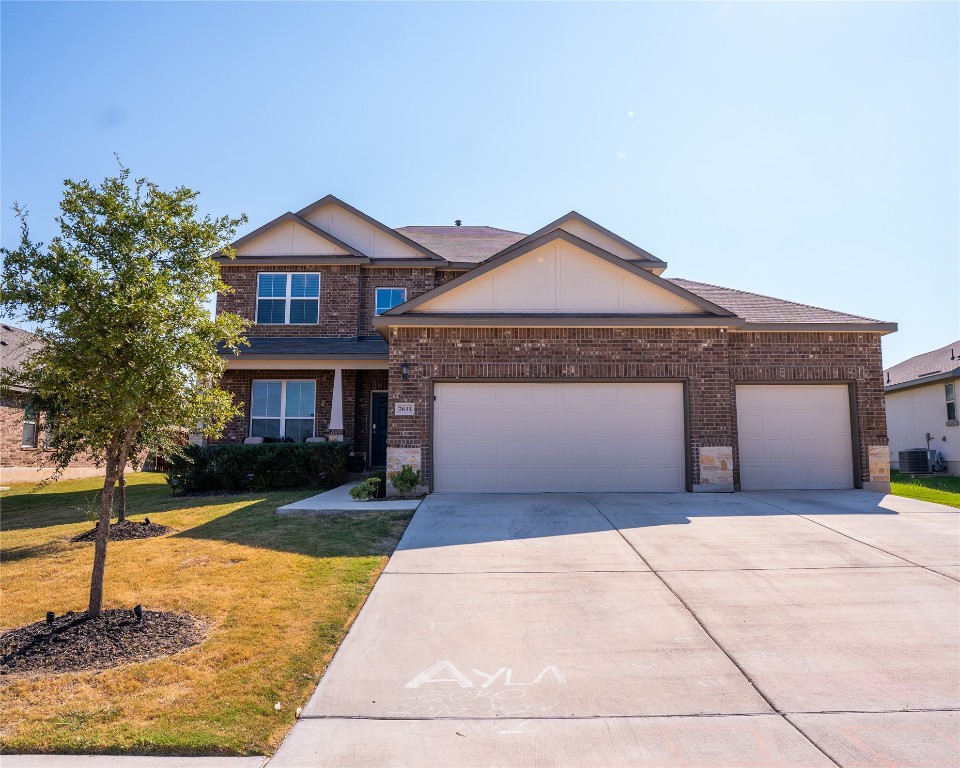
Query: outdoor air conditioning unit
x,y
920,461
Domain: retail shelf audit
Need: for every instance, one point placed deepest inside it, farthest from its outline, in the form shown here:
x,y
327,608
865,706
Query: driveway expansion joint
x,y
853,538
716,642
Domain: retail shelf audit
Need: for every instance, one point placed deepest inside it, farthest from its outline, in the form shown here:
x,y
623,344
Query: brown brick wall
x,y
357,386
12,454
446,275
416,281
709,360
339,291
819,357
346,296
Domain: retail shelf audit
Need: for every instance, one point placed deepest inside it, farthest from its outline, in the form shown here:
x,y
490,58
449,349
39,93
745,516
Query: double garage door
x,y
534,437
558,437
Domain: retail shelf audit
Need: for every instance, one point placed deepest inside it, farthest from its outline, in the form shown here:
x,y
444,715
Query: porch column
x,y
336,407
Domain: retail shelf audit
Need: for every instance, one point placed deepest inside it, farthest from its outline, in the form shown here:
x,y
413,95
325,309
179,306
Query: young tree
x,y
129,349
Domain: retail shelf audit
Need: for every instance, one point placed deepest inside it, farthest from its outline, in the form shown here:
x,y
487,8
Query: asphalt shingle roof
x,y
470,244
939,361
756,308
355,346
16,345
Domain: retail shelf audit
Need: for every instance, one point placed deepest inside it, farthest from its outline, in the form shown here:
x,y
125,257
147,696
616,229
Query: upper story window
x,y
288,298
951,392
29,438
388,298
283,409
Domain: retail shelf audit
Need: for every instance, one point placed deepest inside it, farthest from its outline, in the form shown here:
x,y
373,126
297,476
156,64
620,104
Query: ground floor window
x,y
283,409
29,438
951,393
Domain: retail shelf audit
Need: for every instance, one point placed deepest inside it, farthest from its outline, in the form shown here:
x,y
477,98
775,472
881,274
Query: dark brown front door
x,y
378,429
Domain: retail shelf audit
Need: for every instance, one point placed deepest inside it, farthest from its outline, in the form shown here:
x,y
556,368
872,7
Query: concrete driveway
x,y
753,629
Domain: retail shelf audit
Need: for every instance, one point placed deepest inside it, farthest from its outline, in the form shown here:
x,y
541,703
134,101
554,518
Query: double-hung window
x,y
283,409
951,393
29,438
388,298
288,298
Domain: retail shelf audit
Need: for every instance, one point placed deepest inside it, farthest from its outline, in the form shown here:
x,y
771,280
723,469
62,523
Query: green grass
x,y
944,489
280,593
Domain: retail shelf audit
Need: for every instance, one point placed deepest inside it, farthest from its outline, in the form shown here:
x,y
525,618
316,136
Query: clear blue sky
x,y
806,151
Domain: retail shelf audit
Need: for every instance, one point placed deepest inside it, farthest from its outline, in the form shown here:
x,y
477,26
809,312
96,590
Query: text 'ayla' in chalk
x,y
447,672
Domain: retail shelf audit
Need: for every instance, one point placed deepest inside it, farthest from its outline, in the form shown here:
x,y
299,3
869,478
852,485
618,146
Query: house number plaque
x,y
403,409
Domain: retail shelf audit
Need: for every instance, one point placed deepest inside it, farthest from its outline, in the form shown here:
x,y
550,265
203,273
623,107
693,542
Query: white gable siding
x,y
592,236
559,277
290,239
365,237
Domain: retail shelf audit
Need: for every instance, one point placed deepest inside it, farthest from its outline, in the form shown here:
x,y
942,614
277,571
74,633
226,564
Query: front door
x,y
378,429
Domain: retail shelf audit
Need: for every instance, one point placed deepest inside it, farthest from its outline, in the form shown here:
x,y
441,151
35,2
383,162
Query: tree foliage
x,y
128,354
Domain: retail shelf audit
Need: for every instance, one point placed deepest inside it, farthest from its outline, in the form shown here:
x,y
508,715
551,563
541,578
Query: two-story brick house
x,y
561,360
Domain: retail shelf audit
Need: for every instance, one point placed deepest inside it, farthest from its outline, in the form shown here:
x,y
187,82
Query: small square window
x,y
388,298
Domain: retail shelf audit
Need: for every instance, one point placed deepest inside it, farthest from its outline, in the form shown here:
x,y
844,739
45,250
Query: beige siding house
x,y
921,395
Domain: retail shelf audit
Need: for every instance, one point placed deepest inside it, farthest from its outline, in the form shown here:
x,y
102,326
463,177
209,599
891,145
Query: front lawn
x,y
943,489
280,593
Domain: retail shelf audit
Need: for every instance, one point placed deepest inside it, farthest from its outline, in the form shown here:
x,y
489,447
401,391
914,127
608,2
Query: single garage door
x,y
794,436
497,437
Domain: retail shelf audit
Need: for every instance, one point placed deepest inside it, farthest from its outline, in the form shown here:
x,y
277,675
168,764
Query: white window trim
x,y
947,400
283,407
387,288
287,298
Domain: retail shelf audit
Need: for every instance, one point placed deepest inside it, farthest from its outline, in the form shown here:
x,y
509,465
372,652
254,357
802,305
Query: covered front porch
x,y
311,395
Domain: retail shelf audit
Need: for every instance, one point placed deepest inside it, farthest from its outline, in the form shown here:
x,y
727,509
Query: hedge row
x,y
236,467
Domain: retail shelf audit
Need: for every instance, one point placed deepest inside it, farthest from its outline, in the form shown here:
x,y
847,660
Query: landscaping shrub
x,y
257,467
406,480
368,490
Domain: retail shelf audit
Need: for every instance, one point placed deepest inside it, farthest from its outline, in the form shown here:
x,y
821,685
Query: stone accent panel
x,y
879,467
716,467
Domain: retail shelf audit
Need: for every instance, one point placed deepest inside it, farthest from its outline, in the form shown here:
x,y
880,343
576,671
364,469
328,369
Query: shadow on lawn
x,y
368,534
50,506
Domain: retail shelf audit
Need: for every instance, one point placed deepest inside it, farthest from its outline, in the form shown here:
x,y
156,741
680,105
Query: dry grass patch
x,y
279,592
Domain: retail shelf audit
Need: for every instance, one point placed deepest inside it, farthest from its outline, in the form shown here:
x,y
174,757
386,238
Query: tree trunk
x,y
116,458
103,532
122,495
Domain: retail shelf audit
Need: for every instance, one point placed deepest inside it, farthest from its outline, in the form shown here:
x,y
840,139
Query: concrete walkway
x,y
798,629
339,500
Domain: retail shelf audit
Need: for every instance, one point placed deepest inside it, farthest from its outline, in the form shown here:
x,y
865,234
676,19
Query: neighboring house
x,y
557,361
22,440
921,396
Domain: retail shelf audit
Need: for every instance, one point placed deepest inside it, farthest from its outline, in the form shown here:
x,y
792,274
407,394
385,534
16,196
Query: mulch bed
x,y
73,643
127,530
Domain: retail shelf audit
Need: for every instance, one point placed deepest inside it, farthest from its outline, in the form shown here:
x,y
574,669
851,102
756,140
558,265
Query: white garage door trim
x,y
530,437
794,436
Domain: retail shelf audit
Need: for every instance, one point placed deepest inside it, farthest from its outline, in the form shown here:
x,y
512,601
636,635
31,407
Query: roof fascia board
x,y
559,234
280,259
306,362
382,322
870,327
915,383
333,200
649,257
